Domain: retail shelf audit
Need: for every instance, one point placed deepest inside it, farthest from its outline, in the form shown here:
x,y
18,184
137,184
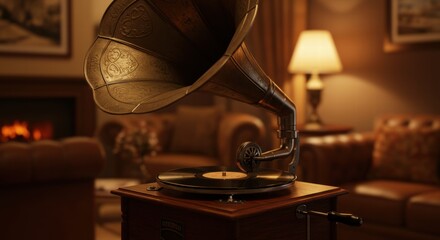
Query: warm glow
x,y
20,130
36,134
315,53
17,129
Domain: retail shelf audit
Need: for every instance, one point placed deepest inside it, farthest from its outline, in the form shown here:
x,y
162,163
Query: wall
x,y
373,82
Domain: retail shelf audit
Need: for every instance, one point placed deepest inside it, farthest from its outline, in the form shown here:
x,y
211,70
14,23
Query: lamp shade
x,y
315,53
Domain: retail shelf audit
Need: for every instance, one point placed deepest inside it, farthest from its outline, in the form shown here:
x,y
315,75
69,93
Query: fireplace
x,y
45,108
28,119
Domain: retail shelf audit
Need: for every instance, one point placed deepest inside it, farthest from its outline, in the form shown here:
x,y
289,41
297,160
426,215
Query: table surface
x,y
326,129
103,186
298,193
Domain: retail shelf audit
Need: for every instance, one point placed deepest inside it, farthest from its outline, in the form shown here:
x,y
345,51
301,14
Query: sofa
x,y
189,137
48,189
391,173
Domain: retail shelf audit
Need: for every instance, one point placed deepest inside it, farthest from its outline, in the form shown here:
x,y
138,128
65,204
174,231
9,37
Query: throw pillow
x,y
196,130
407,154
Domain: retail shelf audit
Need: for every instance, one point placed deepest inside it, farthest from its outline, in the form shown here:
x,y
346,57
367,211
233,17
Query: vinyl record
x,y
224,180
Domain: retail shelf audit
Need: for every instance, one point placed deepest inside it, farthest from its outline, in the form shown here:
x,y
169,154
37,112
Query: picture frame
x,y
412,24
40,28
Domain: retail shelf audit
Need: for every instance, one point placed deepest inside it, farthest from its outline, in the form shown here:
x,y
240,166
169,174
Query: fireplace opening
x,y
22,131
33,119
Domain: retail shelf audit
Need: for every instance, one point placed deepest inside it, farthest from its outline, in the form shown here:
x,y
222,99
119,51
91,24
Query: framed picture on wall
x,y
35,27
413,23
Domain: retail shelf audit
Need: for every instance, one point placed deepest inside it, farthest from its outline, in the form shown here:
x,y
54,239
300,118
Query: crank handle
x,y
345,218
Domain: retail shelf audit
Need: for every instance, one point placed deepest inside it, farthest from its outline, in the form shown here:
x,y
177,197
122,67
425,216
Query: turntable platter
x,y
224,180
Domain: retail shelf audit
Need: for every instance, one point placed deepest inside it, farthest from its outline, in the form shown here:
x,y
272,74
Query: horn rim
x,y
112,105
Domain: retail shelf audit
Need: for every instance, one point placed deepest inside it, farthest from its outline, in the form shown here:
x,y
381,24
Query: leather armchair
x,y
48,189
336,159
392,208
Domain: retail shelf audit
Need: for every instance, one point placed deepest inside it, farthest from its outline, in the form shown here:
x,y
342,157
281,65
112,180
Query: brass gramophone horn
x,y
151,53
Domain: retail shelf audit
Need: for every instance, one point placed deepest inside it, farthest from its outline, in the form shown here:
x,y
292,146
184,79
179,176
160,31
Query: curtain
x,y
272,38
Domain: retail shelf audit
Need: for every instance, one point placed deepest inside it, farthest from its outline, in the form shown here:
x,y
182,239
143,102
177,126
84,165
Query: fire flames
x,y
20,131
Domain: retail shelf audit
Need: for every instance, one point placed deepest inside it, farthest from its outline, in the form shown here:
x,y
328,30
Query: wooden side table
x,y
172,215
323,130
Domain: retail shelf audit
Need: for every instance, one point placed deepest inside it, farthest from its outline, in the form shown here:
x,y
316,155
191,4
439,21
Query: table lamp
x,y
314,53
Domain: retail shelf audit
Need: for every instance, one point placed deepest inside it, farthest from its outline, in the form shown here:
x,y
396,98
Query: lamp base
x,y
314,97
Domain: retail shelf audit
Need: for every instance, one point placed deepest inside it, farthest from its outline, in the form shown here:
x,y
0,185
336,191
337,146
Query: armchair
x,y
191,137
392,175
48,189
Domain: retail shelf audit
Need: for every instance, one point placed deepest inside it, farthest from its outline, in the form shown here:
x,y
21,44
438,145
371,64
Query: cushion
x,y
407,154
196,130
162,124
423,212
386,200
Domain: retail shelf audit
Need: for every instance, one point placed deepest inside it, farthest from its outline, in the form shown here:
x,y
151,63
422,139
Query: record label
x,y
225,175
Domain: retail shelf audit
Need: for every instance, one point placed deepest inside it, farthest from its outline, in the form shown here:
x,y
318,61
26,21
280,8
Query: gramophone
x,y
151,53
